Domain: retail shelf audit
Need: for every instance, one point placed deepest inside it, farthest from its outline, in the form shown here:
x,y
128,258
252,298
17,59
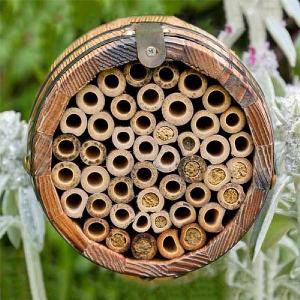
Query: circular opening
x,y
143,122
122,215
142,222
192,82
73,201
100,125
197,194
90,99
65,175
66,147
241,143
121,189
216,98
150,97
215,148
188,143
73,121
173,187
167,158
169,244
123,137
146,148
166,74
144,174
96,229
92,152
94,179
182,213
111,81
177,109
123,107
211,216
204,123
232,119
99,205
120,162
138,72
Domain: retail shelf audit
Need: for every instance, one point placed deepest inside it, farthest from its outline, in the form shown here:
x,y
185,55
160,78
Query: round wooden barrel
x,y
150,147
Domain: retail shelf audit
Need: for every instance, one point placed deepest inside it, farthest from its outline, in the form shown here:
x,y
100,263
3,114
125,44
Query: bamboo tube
x,y
118,240
145,148
231,196
150,97
182,213
215,149
120,189
205,124
136,74
101,126
143,246
197,194
94,179
143,123
98,205
233,120
144,174
211,216
192,168
192,84
123,107
123,137
96,229
121,215
216,99
165,133
192,237
150,200
166,76
167,159
66,147
241,144
92,153
73,121
142,222
216,176
168,244
90,99
240,169
177,109
111,82
189,143
172,187
73,202
65,175
119,162
160,221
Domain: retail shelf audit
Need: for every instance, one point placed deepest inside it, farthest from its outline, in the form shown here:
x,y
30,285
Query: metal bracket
x,y
150,44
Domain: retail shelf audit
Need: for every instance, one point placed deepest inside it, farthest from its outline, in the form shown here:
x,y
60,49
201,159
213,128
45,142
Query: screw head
x,y
151,51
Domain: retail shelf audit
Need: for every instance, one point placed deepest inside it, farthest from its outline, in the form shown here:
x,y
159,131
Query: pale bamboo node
x,y
65,175
136,74
122,215
143,246
216,99
192,237
92,153
241,144
111,82
120,189
211,216
177,109
192,84
166,75
197,194
118,240
215,149
233,120
165,133
66,147
73,121
98,205
96,229
182,213
240,169
119,162
168,244
150,97
73,202
145,148
144,174
192,168
160,221
143,123
167,159
205,124
150,200
216,176
123,107
94,179
90,99
142,222
231,196
101,126
188,143
172,187
123,137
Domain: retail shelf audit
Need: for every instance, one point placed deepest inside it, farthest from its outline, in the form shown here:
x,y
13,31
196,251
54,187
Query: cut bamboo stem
x,y
144,246
167,159
92,153
73,121
150,97
122,215
141,223
96,229
197,194
241,144
120,189
123,107
101,126
73,202
66,147
231,196
182,213
160,221
144,174
118,240
172,187
143,123
65,175
94,179
119,162
165,133
216,176
240,169
98,205
192,237
168,244
150,200
166,76
123,137
211,216
192,168
145,148
136,74
233,120
189,143
177,109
